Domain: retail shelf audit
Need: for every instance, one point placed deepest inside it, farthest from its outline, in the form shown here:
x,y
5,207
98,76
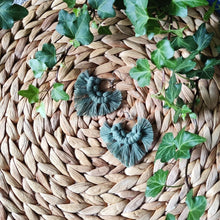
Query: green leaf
x,y
164,52
77,11
94,25
104,7
192,115
75,43
75,27
153,28
184,111
137,13
10,12
187,42
208,70
65,24
37,67
176,115
156,183
179,7
141,72
173,91
184,65
178,147
167,148
32,93
202,37
170,217
210,11
47,55
104,30
196,205
184,141
58,93
41,109
171,63
70,3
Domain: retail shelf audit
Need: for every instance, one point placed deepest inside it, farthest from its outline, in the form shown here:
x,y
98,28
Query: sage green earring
x,y
90,100
128,147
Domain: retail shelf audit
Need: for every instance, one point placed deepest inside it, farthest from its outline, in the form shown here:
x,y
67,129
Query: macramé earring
x,y
89,100
126,146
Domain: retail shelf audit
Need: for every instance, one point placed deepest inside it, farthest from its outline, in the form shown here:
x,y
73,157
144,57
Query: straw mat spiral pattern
x,y
59,168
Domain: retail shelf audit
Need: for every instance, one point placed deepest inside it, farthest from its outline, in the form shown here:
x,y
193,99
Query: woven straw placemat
x,y
59,168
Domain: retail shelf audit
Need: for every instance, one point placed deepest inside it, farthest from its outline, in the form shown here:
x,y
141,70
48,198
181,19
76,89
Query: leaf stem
x,y
183,77
152,18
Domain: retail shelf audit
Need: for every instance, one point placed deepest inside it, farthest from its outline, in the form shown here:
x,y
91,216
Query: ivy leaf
x,y
184,141
10,12
153,28
207,71
167,148
32,93
184,65
75,43
170,217
94,25
137,13
47,55
192,115
210,11
202,37
70,3
172,99
173,91
77,11
179,7
65,24
104,8
184,111
196,206
141,72
37,67
104,30
58,93
75,27
178,147
186,42
41,109
156,183
164,52
176,115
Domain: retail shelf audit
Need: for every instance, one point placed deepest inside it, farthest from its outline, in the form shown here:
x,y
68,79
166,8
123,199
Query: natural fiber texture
x,y
58,167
